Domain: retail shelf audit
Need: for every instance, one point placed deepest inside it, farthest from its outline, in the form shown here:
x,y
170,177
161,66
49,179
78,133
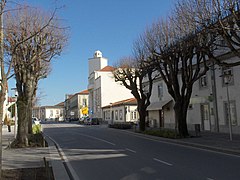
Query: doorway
x,y
161,118
205,114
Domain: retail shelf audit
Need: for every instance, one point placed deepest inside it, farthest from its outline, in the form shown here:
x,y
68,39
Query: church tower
x,y
97,62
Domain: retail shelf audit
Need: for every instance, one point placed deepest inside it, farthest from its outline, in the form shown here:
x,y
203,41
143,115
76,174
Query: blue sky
x,y
110,26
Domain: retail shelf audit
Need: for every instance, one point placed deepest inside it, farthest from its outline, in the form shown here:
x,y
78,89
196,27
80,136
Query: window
x,y
203,81
116,114
160,91
51,113
84,102
233,113
120,115
108,114
133,115
227,76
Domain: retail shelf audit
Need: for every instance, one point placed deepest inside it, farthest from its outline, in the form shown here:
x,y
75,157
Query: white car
x,y
60,119
35,121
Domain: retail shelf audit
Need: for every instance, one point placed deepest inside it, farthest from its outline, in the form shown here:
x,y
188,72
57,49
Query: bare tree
x,y
178,51
136,74
31,58
221,19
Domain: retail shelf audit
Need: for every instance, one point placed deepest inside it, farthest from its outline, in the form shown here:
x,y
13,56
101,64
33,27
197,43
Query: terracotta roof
x,y
131,101
107,68
79,93
84,92
12,99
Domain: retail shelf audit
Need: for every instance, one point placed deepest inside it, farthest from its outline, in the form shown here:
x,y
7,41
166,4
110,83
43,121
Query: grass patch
x,y
37,129
27,173
120,126
166,133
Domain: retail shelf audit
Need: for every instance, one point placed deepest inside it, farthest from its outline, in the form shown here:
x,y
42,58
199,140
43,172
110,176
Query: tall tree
x,y
136,74
178,53
31,58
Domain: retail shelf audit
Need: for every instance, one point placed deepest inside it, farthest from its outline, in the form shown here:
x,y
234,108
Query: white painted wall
x,y
112,91
97,63
106,91
54,114
126,115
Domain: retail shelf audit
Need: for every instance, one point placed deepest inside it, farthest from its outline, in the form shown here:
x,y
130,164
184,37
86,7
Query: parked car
x,y
95,121
87,121
60,119
81,120
91,121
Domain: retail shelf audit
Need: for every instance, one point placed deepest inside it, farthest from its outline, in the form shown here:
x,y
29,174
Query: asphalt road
x,y
100,153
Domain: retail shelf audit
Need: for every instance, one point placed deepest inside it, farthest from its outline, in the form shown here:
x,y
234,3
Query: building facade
x,y
76,106
46,113
214,102
124,111
103,90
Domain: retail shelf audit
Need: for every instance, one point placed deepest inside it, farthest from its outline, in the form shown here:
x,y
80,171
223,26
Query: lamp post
x,y
227,78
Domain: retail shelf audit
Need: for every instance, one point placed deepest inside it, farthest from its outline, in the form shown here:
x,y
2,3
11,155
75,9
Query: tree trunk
x,y
22,135
181,118
29,109
142,117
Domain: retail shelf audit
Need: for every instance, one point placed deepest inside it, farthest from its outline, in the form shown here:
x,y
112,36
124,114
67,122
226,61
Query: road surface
x,y
101,153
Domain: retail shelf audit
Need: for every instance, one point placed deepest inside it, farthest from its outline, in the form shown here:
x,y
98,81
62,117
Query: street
x,y
101,153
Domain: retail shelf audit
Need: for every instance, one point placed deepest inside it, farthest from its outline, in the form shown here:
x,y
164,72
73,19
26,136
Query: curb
x,y
59,170
189,144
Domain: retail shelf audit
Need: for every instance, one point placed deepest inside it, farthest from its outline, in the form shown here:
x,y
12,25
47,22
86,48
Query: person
x,y
7,121
9,125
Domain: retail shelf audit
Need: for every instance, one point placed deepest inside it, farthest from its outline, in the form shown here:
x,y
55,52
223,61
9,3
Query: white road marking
x,y
131,150
209,178
164,162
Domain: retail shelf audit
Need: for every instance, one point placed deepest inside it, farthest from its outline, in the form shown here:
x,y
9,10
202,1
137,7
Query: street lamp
x,y
227,79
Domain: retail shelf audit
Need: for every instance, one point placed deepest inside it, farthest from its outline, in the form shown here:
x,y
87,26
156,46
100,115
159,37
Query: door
x,y
205,117
161,118
112,116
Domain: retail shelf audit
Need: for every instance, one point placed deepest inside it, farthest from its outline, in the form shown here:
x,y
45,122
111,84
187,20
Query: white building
x,y
49,112
208,105
76,106
102,87
124,111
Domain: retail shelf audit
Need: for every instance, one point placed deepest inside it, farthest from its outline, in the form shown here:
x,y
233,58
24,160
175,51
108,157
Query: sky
x,y
110,26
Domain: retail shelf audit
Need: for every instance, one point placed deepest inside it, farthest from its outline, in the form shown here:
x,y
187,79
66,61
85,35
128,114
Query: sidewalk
x,y
219,142
215,141
19,158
